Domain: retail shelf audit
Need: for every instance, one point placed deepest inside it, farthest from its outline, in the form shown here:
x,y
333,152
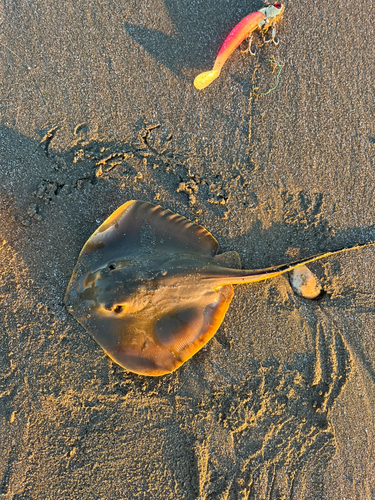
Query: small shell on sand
x,y
305,283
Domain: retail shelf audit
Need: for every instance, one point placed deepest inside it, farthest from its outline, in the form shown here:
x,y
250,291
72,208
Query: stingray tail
x,y
236,277
204,79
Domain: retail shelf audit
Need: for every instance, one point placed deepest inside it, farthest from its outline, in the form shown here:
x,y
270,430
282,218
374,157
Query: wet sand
x,y
98,108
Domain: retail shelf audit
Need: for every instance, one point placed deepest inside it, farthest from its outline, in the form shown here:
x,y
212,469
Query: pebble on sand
x,y
305,283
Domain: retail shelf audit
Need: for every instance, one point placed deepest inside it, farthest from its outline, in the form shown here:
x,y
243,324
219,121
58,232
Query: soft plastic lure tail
x,y
261,19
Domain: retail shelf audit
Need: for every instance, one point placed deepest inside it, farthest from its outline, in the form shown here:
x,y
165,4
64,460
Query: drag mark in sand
x,y
273,426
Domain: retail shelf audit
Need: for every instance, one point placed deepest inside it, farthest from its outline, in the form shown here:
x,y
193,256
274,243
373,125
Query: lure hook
x,y
273,38
248,50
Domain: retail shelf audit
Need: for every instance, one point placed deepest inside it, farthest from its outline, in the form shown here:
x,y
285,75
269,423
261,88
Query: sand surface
x,y
97,107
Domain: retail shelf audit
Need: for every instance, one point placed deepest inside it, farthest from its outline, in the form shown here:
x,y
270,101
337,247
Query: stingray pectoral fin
x,y
129,341
138,227
212,315
203,80
181,333
159,342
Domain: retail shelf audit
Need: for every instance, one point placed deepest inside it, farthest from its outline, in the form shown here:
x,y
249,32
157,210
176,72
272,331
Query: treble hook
x,y
273,38
249,50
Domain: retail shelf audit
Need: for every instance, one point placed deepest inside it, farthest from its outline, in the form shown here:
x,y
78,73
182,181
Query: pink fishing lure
x,y
261,19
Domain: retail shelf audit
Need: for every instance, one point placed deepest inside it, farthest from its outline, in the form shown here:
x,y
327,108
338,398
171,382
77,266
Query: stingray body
x,y
150,288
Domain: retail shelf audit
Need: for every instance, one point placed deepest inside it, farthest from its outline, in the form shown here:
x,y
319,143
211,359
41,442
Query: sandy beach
x,y
97,108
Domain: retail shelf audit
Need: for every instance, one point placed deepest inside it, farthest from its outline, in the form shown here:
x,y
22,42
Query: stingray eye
x,y
277,5
111,266
117,309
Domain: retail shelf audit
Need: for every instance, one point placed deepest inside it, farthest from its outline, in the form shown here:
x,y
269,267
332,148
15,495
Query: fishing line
x,y
254,89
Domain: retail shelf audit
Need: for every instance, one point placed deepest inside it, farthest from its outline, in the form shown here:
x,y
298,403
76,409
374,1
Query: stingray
x,y
151,289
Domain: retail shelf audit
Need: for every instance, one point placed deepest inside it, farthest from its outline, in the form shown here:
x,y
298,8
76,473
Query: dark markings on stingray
x,y
150,289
